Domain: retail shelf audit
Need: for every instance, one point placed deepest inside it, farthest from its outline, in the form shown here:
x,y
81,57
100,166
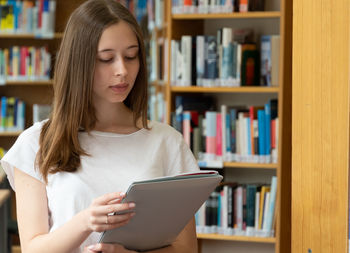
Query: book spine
x,y
218,135
211,70
3,113
257,211
262,132
223,131
268,130
186,51
186,126
200,60
251,192
265,72
266,211
229,207
179,113
275,52
272,202
233,130
211,131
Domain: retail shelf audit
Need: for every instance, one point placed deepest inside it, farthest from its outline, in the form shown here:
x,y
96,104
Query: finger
x,y
104,199
118,218
116,208
104,247
110,219
114,201
90,249
103,227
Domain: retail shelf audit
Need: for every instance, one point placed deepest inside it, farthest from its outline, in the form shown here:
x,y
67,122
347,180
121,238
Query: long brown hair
x,y
73,109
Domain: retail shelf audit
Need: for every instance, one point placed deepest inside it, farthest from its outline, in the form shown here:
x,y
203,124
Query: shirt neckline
x,y
111,134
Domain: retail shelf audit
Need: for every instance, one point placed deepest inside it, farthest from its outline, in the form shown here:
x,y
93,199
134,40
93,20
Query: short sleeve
x,y
181,159
22,155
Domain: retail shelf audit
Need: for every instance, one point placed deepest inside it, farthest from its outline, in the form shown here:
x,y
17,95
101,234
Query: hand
x,y
106,248
98,216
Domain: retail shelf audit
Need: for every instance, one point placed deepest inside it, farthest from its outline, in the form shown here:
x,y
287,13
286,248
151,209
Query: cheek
x,y
135,70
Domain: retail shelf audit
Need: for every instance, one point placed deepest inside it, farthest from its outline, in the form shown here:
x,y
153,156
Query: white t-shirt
x,y
115,161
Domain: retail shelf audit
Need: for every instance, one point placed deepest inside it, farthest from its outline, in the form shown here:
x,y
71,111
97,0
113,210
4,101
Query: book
x,y
164,206
41,112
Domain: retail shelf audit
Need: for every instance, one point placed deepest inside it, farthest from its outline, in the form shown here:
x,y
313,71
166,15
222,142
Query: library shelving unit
x,y
281,17
157,77
32,92
36,91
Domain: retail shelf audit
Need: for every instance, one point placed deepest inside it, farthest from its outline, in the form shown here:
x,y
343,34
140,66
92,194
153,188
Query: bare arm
x,y
33,220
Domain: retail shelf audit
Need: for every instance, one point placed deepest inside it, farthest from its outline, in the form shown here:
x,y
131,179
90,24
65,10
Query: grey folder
x,y
163,208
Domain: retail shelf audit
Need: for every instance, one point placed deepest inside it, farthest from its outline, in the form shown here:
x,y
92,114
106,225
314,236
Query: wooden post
x,y
320,114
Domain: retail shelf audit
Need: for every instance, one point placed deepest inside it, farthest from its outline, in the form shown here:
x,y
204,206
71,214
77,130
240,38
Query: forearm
x,y
65,239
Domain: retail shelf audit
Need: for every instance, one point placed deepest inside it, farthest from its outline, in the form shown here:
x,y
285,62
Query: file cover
x,y
164,206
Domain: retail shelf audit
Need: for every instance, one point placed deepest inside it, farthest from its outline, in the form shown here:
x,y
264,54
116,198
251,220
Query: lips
x,y
119,88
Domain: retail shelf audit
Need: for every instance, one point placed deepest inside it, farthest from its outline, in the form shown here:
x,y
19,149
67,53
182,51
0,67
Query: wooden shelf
x,y
33,83
10,134
259,14
29,36
272,166
242,89
236,238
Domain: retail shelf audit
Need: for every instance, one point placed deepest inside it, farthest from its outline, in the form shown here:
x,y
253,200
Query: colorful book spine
x,y
24,64
211,131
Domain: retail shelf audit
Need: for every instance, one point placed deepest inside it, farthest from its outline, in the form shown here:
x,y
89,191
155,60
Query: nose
x,y
120,68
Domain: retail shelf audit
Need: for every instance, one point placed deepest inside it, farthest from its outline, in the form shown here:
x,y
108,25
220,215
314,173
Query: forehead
x,y
118,36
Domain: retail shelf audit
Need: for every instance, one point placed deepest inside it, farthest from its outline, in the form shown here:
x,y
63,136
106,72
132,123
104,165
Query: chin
x,y
120,99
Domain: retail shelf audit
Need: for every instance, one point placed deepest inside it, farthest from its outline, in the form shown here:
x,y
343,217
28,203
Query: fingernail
x,y
91,247
122,194
131,205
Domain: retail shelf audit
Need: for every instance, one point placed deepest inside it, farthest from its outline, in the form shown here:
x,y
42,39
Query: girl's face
x,y
117,64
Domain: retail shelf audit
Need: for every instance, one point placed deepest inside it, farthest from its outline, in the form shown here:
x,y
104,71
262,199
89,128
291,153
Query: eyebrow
x,y
109,49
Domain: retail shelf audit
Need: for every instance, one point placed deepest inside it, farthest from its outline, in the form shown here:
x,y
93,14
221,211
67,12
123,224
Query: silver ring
x,y
107,219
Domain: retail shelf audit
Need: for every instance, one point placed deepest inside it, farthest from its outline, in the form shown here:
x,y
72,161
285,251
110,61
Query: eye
x,y
130,58
105,60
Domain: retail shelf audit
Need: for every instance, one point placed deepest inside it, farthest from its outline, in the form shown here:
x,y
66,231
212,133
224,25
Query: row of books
x,y
12,117
216,6
234,134
235,209
158,63
25,17
155,11
24,64
225,60
156,105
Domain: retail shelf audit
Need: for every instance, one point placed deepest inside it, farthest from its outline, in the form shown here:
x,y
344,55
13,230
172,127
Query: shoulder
x,y
32,133
166,134
165,130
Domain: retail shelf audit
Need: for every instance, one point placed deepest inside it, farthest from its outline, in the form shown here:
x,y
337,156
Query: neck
x,y
116,118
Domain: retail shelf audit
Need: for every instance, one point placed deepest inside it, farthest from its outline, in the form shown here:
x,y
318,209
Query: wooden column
x,y
320,128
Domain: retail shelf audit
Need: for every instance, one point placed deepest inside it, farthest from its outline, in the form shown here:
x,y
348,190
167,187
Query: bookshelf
x,y
235,238
177,89
262,14
36,91
280,19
